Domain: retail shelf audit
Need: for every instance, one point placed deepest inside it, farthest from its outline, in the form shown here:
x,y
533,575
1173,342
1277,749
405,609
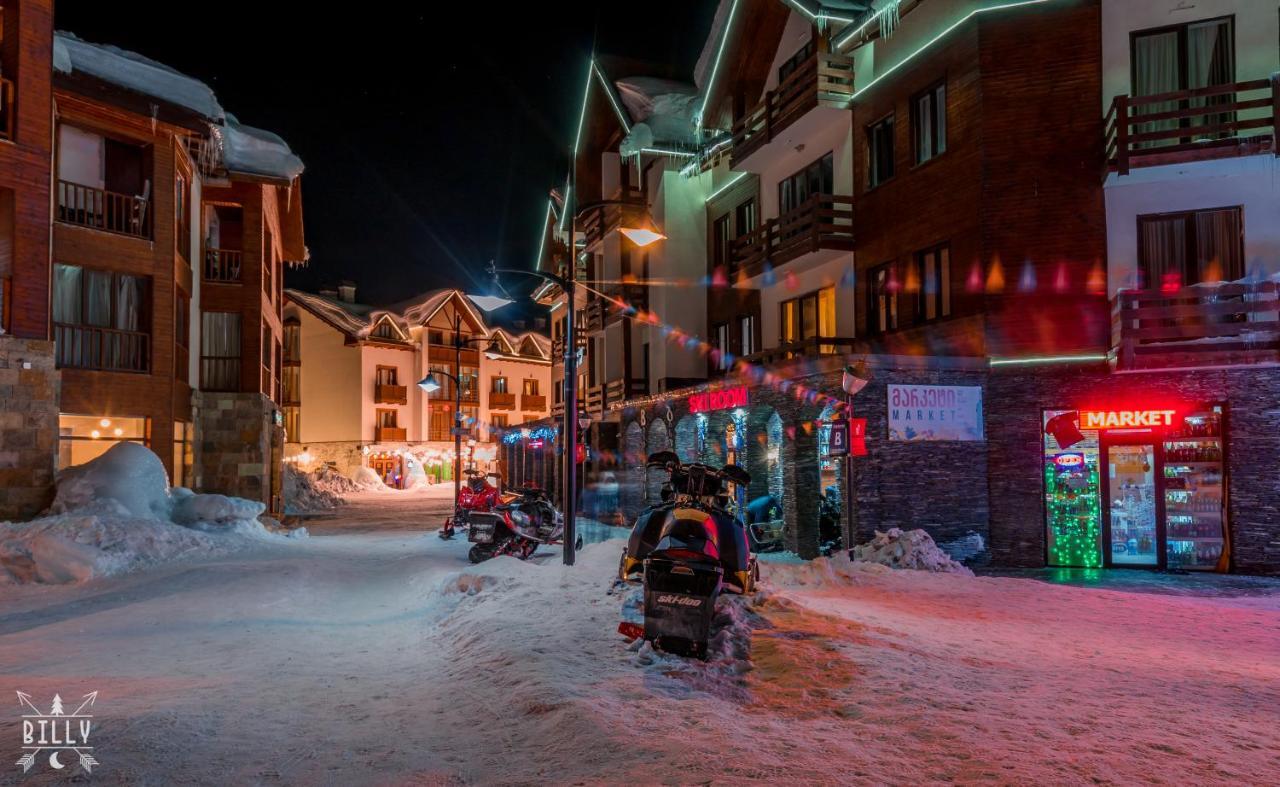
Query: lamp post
x,y
430,385
640,236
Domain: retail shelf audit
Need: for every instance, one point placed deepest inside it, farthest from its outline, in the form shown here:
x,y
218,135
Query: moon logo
x,y
53,761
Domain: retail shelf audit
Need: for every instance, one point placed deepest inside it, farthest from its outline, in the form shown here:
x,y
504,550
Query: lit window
x,y
85,437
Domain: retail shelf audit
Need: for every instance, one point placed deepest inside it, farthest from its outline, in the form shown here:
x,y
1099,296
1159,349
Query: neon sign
x,y
1120,419
723,399
1067,461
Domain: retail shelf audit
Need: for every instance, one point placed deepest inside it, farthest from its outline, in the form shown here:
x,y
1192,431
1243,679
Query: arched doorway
x,y
688,446
659,439
632,481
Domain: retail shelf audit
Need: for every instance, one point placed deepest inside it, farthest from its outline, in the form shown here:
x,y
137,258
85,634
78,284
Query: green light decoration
x,y
1074,517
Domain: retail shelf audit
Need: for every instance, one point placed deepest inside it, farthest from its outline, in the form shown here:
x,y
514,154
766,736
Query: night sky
x,y
430,137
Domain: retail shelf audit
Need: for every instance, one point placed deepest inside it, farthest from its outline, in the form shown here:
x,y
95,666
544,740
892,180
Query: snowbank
x,y
910,549
319,490
116,514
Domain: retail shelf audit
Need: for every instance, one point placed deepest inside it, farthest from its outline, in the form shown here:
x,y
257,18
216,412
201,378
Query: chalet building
x,y
351,372
152,340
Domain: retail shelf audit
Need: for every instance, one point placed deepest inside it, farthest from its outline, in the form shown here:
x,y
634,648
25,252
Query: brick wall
x,y
29,392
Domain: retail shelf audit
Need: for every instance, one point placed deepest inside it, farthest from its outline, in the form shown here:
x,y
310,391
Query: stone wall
x,y
29,396
345,457
1014,434
240,446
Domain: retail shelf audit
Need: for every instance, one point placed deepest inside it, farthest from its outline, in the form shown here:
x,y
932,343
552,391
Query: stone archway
x,y
687,443
659,439
632,480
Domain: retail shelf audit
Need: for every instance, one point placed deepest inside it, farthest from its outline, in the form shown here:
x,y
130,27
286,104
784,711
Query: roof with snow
x,y
662,113
359,321
253,151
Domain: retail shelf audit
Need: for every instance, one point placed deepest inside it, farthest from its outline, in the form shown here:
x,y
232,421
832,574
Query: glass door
x,y
1133,520
1193,496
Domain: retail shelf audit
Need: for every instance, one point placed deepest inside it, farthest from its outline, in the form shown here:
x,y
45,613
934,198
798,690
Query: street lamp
x,y
644,235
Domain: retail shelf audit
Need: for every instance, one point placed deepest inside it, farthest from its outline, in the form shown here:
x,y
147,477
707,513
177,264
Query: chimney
x,y
540,323
519,325
347,292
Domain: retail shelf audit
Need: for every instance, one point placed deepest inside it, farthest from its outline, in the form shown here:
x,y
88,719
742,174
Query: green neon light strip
x,y
542,237
604,84
1046,359
568,192
726,186
938,38
582,115
715,67
819,15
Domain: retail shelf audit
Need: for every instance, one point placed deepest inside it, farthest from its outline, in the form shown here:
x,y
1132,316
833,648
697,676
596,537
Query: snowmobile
x,y
516,526
686,550
476,495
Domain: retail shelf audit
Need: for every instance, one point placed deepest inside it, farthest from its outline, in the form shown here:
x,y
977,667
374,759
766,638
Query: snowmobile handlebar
x,y
697,479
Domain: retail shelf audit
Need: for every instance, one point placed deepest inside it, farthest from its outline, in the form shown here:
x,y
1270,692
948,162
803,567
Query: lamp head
x,y
429,384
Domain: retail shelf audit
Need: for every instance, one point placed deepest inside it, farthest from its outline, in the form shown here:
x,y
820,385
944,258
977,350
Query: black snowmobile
x,y
686,550
516,527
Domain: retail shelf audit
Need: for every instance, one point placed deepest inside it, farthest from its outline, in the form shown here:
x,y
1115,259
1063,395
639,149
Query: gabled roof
x,y
358,320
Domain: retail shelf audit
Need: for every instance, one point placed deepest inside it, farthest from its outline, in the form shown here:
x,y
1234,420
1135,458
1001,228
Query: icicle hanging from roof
x,y
890,17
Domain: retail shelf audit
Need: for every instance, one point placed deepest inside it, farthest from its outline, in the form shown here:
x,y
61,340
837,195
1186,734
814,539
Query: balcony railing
x,y
6,108
593,317
1197,326
821,222
532,403
594,399
824,78
620,390
1189,125
805,348
222,265
470,396
599,221
390,394
102,349
389,434
635,295
502,401
86,206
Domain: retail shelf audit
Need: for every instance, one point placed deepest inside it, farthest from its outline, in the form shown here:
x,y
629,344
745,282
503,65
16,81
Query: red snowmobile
x,y
476,496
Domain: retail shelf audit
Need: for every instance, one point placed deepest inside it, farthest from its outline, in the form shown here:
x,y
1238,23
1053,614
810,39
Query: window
x,y
880,152
745,218
386,419
101,320
498,385
470,379
387,375
1183,57
435,337
440,424
182,215
183,454
720,340
292,378
559,389
815,179
292,340
292,424
809,317
384,330
1180,249
85,437
498,421
220,351
929,123
747,334
103,183
934,268
797,60
721,243
181,333
530,387
882,293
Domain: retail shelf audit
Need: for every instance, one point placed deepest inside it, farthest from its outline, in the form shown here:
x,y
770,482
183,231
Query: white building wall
x,y
371,357
331,406
678,209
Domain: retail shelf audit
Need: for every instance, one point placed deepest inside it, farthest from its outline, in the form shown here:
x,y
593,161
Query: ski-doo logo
x,y
679,601
57,732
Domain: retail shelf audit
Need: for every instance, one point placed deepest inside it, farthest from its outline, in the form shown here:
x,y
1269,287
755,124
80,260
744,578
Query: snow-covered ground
x,y
373,653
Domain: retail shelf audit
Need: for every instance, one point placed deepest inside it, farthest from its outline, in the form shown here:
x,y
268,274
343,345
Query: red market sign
x,y
848,437
1126,419
723,399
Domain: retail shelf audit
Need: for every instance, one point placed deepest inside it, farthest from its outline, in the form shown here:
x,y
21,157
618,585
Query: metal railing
x,y
86,206
101,349
222,265
825,77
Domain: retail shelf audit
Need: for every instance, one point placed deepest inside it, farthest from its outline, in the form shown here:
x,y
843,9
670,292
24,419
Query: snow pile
x,y
116,514
320,490
368,480
255,151
910,549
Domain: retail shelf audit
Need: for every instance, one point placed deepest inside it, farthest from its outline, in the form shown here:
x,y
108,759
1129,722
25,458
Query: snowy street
x,y
374,653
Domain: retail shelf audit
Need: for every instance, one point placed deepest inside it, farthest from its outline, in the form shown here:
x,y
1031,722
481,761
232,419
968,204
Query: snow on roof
x,y
132,71
702,71
359,320
255,151
663,111
350,318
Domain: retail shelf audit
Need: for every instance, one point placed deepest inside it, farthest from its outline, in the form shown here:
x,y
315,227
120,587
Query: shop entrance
x,y
1132,527
387,466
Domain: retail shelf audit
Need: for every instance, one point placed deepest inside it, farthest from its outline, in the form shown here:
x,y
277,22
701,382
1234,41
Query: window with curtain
x,y
499,385
880,152
101,319
1176,250
929,123
882,296
530,387
1183,57
817,178
933,266
220,351
809,316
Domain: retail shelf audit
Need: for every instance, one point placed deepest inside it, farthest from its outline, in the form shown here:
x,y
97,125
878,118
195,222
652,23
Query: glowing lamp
x,y
490,302
429,384
856,376
642,236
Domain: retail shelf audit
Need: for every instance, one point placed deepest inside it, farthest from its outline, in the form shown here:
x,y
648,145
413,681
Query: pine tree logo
x,y
57,732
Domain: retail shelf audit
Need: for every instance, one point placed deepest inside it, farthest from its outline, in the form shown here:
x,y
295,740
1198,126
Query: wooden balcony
x,y
532,403
389,434
101,349
470,396
634,295
6,108
223,265
594,399
806,348
821,222
620,390
600,221
1197,326
1222,121
502,401
86,206
593,317
824,79
390,394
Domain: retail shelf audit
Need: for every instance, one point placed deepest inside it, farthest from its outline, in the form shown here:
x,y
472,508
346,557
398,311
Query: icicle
x,y
155,114
890,18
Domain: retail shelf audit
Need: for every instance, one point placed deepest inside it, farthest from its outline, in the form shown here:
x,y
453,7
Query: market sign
x,y
723,399
920,413
848,437
1120,419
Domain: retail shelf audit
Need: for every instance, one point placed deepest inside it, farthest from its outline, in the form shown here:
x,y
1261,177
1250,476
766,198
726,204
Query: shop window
x,y
220,351
933,266
817,178
882,297
1177,250
101,320
183,453
880,152
929,123
85,437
